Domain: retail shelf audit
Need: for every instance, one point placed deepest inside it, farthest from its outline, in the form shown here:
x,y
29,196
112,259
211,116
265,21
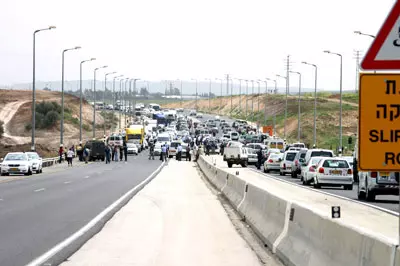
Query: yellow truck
x,y
135,134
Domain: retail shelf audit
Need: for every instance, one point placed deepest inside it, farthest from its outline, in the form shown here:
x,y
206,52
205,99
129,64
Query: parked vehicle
x,y
298,160
133,147
308,170
252,156
96,148
287,161
376,183
318,153
273,162
235,153
234,136
334,172
36,161
16,163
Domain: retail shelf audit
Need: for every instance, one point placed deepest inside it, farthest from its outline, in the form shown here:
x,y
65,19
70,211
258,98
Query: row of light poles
x,y
62,91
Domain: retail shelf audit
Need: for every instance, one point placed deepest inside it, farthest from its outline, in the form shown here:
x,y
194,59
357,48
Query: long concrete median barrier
x,y
304,234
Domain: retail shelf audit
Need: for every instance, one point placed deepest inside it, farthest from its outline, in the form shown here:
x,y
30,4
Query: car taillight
x,y
374,174
296,163
321,170
349,172
311,169
270,161
284,166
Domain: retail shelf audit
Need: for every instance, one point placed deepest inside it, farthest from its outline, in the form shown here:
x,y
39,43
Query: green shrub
x,y
50,119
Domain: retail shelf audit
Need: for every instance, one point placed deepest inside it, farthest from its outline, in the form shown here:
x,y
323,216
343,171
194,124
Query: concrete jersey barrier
x,y
297,233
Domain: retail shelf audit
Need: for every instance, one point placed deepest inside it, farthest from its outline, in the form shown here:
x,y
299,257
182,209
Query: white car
x,y
16,163
273,162
199,115
132,148
287,162
252,155
308,170
157,149
334,172
36,161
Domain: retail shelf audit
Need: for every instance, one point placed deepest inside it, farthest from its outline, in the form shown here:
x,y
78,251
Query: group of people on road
x,y
116,153
67,154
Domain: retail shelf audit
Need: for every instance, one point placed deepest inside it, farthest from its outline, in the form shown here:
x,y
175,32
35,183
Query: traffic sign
x,y
379,122
384,53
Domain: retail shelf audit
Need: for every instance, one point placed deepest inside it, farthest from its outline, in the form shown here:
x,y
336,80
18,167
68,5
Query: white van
x,y
234,136
235,153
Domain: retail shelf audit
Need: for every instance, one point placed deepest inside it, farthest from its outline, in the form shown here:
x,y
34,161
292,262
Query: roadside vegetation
x,y
1,128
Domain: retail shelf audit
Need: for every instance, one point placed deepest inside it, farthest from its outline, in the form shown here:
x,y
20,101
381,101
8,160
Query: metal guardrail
x,y
50,161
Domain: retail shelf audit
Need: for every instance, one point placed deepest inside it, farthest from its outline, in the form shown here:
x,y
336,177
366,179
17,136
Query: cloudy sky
x,y
170,39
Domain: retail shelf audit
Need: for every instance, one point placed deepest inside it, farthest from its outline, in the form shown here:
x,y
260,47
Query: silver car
x,y
273,162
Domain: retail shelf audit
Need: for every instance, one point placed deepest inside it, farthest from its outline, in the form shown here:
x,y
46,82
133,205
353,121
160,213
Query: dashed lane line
x,y
39,190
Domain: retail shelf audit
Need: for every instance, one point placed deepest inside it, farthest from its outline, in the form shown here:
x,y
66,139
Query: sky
x,y
185,39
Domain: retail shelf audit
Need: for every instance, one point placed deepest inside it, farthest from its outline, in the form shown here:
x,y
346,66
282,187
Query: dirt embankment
x,y
15,111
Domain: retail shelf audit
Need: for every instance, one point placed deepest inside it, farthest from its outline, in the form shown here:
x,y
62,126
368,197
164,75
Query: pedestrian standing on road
x,y
107,151
163,153
116,148
60,153
79,151
179,154
188,156
70,155
125,151
113,152
86,153
121,153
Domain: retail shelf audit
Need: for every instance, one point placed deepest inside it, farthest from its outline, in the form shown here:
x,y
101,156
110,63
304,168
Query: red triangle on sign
x,y
384,53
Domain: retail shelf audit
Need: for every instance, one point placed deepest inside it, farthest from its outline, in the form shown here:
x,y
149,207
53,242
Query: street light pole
x,y
62,93
104,100
220,94
120,103
315,103
114,95
125,87
286,104
209,97
134,97
299,112
274,119
81,96
266,100
247,94
34,86
340,115
365,34
94,100
240,94
196,93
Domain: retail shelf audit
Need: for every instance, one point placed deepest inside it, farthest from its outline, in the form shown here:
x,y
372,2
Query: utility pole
x,y
287,92
227,89
357,54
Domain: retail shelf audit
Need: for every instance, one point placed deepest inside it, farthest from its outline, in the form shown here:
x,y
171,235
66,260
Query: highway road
x,y
39,212
387,202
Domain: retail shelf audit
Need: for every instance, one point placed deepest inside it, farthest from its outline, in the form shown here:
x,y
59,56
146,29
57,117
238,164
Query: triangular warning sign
x,y
384,53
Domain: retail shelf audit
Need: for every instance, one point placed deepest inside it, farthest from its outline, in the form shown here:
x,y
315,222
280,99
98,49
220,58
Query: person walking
x,y
60,153
112,152
70,155
116,148
86,153
151,152
125,147
179,152
79,151
188,156
107,151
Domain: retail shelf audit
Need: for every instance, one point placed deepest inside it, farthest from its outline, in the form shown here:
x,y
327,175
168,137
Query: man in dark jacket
x,y
125,151
259,159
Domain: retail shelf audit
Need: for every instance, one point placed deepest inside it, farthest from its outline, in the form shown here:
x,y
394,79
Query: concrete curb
x,y
69,246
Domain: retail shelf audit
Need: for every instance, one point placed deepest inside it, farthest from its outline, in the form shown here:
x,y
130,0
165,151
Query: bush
x,y
47,115
1,129
50,119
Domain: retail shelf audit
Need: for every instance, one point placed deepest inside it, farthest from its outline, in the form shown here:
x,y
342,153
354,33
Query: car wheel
x,y
230,165
348,187
316,185
280,173
266,170
370,195
360,194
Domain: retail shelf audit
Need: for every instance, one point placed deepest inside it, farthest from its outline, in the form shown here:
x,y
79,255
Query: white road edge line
x,y
86,176
67,182
41,259
40,189
330,194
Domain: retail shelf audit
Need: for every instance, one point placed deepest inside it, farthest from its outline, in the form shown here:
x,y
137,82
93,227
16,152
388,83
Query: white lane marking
x,y
40,189
1,199
285,227
67,182
86,176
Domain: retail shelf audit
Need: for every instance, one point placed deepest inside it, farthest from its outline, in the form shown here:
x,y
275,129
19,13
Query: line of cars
x,y
25,163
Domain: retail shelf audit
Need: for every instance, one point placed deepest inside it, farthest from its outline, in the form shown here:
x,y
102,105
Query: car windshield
x,y
274,156
175,144
290,156
321,154
15,157
163,139
303,155
33,156
335,164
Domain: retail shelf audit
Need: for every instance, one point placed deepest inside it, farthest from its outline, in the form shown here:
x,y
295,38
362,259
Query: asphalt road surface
x,y
386,202
39,212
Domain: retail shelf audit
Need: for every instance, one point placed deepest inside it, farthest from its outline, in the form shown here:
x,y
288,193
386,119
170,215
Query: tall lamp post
x,y
196,91
240,94
104,99
341,87
94,100
266,98
34,86
222,84
299,112
62,93
134,96
276,88
81,96
126,80
315,102
114,95
209,96
365,34
286,105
